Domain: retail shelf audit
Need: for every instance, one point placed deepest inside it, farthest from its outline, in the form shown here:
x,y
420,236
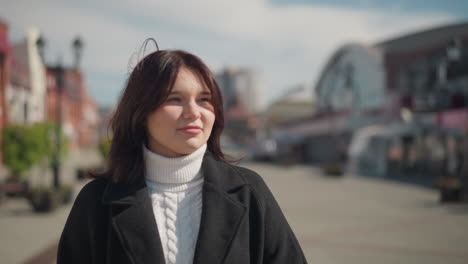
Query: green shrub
x,y
26,146
18,155
104,147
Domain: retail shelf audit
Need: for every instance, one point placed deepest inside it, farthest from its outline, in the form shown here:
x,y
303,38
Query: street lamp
x,y
77,45
59,73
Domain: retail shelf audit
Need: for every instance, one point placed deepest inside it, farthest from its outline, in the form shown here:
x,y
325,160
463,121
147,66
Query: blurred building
x,y
80,114
26,94
350,94
241,98
18,89
4,75
296,103
411,90
427,81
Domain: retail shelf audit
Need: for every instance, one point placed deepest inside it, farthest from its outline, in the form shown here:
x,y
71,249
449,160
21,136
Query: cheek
x,y
209,118
157,123
151,124
164,115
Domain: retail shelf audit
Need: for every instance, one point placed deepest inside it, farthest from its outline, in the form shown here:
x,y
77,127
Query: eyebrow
x,y
202,93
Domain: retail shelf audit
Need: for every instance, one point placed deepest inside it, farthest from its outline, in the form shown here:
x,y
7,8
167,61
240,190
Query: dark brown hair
x,y
146,89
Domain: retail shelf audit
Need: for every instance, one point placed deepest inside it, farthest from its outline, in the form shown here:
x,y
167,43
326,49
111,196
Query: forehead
x,y
189,79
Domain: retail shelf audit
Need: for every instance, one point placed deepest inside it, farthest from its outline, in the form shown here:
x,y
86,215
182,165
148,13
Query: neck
x,y
178,170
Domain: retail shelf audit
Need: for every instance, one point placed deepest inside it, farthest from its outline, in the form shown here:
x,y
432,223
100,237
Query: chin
x,y
189,148
194,143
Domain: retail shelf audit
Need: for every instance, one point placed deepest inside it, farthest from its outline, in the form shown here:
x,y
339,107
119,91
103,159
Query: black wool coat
x,y
240,223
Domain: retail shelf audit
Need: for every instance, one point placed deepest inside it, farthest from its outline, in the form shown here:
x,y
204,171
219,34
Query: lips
x,y
191,130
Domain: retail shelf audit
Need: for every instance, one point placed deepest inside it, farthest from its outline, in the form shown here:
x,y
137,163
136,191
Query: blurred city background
x,y
354,112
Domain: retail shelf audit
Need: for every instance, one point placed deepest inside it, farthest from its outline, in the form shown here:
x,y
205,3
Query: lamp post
x,y
59,73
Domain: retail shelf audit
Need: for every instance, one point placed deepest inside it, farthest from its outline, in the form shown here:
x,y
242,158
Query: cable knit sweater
x,y
175,186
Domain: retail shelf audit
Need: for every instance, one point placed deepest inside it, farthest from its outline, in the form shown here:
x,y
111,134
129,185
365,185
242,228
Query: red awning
x,y
4,44
457,119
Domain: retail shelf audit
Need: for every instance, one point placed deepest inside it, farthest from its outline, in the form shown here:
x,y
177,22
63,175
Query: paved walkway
x,y
361,220
348,220
25,234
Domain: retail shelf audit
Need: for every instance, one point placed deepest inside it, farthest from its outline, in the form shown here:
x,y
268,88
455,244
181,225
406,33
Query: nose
x,y
191,110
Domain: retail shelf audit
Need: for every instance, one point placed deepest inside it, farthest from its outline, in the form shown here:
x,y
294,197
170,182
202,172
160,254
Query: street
x,y
363,220
26,235
337,220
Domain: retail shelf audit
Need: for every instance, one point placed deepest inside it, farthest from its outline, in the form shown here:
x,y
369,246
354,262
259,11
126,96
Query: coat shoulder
x,y
254,181
248,175
94,187
91,193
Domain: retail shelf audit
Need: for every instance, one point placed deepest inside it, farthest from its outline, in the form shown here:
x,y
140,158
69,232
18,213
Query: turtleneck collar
x,y
178,170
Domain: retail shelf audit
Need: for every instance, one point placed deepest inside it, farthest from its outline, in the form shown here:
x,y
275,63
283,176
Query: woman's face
x,y
183,123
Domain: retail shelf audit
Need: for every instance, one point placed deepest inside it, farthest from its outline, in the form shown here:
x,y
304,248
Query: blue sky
x,y
287,42
454,7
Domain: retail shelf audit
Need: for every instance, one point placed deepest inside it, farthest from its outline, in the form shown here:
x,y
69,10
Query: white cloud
x,y
287,44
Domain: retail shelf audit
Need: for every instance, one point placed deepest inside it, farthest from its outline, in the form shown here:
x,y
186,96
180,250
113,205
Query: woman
x,y
168,196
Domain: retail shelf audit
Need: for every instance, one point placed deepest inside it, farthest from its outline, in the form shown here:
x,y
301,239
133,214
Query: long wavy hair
x,y
147,87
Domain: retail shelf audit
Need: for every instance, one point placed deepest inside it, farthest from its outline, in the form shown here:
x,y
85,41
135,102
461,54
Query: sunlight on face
x,y
183,123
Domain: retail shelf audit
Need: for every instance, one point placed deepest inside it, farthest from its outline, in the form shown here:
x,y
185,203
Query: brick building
x,y
80,117
4,74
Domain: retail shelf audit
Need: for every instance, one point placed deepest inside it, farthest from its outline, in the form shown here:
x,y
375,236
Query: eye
x,y
174,100
205,99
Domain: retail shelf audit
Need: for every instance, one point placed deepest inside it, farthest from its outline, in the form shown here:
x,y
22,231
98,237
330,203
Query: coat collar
x,y
133,217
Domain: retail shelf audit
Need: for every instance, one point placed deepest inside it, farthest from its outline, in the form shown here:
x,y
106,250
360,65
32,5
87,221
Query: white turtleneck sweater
x,y
175,186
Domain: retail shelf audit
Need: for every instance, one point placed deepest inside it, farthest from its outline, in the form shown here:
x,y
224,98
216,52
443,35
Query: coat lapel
x,y
133,221
221,214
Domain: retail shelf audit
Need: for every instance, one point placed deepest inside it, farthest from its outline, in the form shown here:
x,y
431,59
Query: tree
x,y
26,146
